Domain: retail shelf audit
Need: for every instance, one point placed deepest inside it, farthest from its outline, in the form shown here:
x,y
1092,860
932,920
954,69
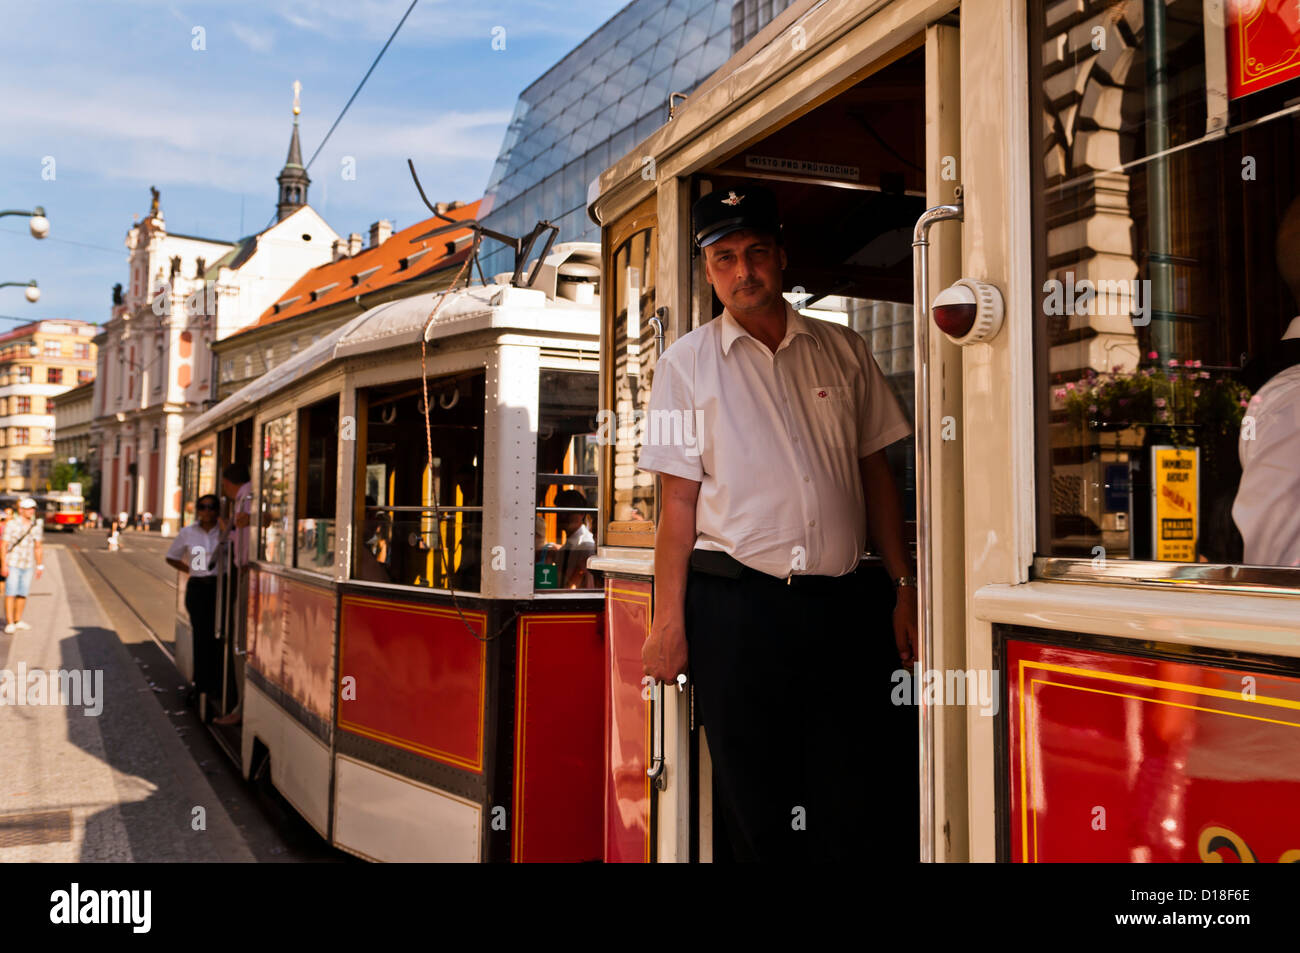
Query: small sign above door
x,y
809,167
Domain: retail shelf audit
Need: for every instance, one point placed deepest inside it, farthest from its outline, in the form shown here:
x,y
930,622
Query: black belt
x,y
712,562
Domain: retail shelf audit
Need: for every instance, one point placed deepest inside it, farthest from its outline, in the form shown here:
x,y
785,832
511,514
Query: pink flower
x,y
1205,374
1069,386
1173,362
1060,393
1152,355
1196,393
1195,364
1245,403
1160,402
1164,415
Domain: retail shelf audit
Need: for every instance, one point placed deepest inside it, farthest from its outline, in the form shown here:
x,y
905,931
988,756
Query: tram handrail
x,y
925,562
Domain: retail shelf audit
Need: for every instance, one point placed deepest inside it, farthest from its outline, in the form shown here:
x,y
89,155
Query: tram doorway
x,y
234,447
850,179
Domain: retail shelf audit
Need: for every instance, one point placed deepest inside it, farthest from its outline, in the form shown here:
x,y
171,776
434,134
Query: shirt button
x,y
805,479
812,523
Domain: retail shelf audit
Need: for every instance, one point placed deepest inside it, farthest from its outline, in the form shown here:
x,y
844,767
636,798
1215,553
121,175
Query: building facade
x,y
609,93
73,412
155,357
38,362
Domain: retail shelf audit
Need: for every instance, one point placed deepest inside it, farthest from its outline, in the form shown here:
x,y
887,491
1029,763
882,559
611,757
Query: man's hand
x,y
664,652
39,571
905,624
241,520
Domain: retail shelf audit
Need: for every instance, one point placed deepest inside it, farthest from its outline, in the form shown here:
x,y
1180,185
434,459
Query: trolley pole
x,y
924,561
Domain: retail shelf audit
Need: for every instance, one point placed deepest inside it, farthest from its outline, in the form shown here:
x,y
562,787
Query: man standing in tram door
x,y
194,552
236,484
768,493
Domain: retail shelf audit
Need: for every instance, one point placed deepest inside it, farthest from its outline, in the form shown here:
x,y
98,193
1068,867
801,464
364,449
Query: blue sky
x,y
116,94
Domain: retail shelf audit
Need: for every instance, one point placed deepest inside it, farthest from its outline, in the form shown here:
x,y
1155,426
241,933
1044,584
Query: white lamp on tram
x,y
968,311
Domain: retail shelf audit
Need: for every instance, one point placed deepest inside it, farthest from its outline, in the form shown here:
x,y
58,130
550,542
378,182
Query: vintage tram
x,y
62,509
422,672
1098,189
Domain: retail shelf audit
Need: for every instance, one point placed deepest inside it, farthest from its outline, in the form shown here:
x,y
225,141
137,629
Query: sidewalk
x,y
118,786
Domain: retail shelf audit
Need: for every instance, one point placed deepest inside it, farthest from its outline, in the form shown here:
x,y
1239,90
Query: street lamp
x,y
40,225
33,292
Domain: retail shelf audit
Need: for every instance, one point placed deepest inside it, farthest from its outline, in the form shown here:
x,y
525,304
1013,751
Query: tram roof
x,y
397,324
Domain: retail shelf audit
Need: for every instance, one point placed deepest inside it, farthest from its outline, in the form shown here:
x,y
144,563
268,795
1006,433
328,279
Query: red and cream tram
x,y
423,673
62,509
1094,196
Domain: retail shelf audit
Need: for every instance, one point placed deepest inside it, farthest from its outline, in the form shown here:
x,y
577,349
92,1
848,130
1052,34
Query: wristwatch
x,y
902,581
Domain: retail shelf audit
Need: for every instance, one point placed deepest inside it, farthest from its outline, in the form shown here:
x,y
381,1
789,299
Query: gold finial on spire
x,y
297,88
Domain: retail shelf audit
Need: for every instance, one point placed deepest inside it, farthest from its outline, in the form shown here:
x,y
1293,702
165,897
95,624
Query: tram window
x,y
631,361
401,540
189,488
276,523
1167,258
318,474
567,462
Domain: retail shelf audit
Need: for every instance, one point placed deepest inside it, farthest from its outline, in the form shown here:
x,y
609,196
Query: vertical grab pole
x,y
925,568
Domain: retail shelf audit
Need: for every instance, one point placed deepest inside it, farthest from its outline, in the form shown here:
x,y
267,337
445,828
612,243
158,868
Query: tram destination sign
x,y
808,167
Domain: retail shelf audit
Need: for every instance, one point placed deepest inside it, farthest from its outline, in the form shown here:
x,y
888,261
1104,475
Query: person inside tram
x,y
579,543
1269,447
758,584
374,564
194,552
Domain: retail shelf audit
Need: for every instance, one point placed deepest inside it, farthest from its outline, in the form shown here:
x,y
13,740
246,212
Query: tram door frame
x,y
941,96
234,445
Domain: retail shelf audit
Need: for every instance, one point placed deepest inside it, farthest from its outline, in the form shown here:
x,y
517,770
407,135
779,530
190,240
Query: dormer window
x,y
361,276
281,305
323,290
411,259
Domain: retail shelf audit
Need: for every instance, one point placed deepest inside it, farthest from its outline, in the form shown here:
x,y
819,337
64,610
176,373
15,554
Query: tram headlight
x,y
968,311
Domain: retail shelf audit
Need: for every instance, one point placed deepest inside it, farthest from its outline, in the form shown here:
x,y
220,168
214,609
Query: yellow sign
x,y
1174,478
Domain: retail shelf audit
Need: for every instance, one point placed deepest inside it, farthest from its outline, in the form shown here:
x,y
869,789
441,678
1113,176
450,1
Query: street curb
x,y
226,840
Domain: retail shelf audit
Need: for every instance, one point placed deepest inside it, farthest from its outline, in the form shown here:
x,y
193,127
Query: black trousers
x,y
811,760
201,604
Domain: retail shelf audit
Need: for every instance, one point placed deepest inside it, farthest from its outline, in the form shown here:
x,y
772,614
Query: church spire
x,y
293,177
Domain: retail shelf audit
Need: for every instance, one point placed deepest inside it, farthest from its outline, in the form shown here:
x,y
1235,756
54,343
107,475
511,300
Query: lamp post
x,y
33,292
40,225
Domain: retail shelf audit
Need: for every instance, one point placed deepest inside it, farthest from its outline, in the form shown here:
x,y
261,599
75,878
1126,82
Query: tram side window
x,y
1167,266
318,475
631,358
567,462
278,445
403,540
189,488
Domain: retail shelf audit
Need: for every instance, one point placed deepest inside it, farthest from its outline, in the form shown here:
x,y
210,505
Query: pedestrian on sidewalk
x,y
147,520
22,555
194,552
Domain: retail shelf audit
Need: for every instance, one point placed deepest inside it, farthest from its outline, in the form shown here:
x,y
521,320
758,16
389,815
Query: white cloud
x,y
257,39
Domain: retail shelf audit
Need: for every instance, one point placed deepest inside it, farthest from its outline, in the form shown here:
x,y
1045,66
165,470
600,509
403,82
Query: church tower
x,y
293,177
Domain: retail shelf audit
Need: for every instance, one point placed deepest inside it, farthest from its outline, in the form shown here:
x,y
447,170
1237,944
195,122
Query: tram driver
x,y
757,552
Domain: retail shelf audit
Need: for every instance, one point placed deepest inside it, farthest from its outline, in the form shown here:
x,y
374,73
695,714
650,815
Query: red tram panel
x,y
627,724
1115,758
420,679
558,765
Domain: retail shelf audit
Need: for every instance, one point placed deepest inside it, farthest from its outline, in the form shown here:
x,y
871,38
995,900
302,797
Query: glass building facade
x,y
604,97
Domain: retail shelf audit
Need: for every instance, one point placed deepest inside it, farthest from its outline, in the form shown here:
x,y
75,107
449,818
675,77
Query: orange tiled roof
x,y
395,261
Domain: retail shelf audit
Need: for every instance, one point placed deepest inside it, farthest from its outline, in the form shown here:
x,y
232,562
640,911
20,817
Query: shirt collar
x,y
795,323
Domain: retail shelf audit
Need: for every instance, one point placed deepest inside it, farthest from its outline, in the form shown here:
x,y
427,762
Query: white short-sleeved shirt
x,y
1265,509
774,440
193,541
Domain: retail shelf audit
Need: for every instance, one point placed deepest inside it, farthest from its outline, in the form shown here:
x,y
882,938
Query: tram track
x,y
126,600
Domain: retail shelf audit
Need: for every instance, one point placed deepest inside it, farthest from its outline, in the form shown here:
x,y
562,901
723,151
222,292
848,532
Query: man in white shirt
x,y
1265,509
194,552
768,430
